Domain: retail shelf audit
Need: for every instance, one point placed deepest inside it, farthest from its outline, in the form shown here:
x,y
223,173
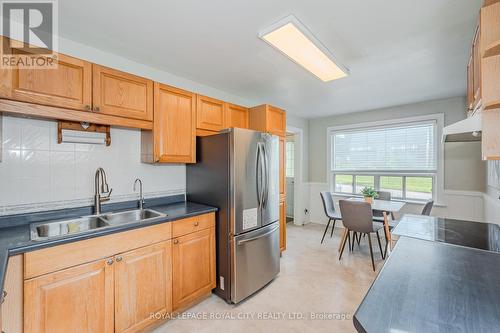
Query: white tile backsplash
x,y
37,172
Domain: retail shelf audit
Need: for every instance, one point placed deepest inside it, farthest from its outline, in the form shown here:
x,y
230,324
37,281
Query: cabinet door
x,y
236,116
276,121
121,94
143,285
12,306
282,166
174,125
68,86
78,299
282,226
193,269
209,114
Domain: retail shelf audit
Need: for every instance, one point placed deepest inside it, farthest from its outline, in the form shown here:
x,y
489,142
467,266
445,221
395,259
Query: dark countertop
x,y
430,286
15,235
484,236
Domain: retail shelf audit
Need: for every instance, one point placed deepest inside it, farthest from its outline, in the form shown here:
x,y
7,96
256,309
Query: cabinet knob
x,y
87,107
196,224
110,262
176,241
4,294
97,109
119,258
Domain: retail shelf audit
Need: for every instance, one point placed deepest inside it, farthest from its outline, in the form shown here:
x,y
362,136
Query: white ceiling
x,y
398,51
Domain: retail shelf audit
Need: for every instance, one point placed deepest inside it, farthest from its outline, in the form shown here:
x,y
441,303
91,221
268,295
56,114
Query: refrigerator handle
x,y
257,169
265,191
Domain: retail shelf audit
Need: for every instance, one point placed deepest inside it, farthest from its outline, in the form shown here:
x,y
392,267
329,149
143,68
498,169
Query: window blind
x,y
404,147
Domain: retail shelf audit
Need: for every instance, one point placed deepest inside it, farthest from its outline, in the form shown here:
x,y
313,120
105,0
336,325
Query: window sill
x,y
416,202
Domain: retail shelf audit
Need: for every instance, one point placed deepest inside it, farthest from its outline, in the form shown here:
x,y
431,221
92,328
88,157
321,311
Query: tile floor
x,y
312,280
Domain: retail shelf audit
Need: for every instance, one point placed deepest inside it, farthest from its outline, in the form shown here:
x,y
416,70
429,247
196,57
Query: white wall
x,y
37,173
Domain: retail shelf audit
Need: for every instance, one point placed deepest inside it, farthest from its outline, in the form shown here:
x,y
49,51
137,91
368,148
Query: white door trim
x,y
298,167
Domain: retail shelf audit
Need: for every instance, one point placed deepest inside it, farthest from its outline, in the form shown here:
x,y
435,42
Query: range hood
x,y
466,130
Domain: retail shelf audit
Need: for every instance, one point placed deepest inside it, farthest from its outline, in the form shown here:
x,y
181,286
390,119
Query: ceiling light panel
x,y
293,39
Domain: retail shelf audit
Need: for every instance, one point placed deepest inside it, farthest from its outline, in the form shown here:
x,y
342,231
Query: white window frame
x,y
438,176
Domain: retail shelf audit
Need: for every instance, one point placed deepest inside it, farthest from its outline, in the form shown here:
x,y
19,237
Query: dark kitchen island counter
x,y
428,286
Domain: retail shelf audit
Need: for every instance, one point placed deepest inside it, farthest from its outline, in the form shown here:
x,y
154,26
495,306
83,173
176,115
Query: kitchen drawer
x,y
59,257
193,224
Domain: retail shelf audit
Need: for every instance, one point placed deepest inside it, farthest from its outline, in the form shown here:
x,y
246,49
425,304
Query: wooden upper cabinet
x,y
77,299
490,50
122,94
193,271
173,138
236,116
209,114
67,86
267,118
143,286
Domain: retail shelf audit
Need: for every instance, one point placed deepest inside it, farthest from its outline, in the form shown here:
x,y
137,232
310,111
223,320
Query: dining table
x,y
386,206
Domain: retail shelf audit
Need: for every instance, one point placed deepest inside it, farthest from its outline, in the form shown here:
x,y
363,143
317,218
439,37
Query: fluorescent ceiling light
x,y
294,40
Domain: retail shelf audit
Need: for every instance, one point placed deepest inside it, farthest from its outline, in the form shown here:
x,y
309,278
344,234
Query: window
x,y
400,158
290,157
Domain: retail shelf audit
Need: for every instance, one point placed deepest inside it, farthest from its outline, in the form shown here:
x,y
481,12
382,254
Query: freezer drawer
x,y
256,261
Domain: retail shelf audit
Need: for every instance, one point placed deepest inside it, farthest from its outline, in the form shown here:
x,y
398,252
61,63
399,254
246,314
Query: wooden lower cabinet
x,y
143,286
12,306
131,291
193,271
282,225
77,299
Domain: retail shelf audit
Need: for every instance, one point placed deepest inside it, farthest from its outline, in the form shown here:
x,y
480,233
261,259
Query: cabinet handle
x,y
87,107
118,259
196,224
4,294
110,262
176,241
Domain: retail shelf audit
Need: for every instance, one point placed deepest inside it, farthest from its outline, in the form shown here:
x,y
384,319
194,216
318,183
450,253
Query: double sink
x,y
56,229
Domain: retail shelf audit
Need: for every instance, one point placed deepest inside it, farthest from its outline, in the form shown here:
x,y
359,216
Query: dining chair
x,y
378,215
357,216
428,208
425,211
330,212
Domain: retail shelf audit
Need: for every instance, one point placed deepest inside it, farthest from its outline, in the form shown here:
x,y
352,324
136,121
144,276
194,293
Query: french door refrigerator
x,y
238,172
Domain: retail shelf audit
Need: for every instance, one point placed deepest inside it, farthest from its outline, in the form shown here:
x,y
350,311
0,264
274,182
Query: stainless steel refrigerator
x,y
238,172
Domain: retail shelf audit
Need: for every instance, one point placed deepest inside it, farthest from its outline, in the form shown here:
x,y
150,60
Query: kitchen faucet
x,y
141,195
101,187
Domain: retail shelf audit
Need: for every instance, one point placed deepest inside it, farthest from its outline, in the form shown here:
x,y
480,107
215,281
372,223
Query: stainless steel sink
x,y
131,216
47,230
68,227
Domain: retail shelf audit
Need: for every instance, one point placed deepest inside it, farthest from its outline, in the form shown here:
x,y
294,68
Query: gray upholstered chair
x,y
378,216
384,195
425,211
357,216
330,212
428,208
